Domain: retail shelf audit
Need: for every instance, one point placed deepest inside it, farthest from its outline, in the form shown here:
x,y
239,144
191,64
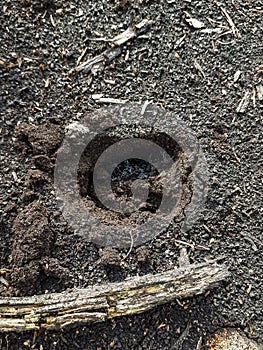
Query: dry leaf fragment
x,y
131,32
199,344
211,30
96,96
199,68
237,75
111,100
259,89
195,23
11,65
47,83
4,281
101,99
112,344
243,104
259,69
183,259
52,21
59,11
42,67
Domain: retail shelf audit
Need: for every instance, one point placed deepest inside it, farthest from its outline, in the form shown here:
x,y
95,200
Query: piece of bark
x,y
97,303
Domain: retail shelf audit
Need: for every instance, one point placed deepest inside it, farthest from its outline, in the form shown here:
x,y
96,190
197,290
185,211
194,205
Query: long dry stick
x,y
98,303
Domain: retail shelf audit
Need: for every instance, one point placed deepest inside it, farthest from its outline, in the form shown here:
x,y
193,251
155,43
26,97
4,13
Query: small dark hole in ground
x,y
126,172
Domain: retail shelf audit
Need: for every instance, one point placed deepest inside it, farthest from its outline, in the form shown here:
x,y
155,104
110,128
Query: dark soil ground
x,y
199,75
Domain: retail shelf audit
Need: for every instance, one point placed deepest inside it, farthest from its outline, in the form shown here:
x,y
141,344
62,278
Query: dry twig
x,y
243,104
234,29
108,55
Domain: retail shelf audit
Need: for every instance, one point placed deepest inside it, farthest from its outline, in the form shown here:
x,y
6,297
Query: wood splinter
x,y
97,303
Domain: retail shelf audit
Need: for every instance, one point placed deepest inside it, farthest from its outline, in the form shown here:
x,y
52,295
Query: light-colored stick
x,y
97,303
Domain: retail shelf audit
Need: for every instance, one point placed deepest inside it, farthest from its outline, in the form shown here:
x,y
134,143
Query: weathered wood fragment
x,y
96,303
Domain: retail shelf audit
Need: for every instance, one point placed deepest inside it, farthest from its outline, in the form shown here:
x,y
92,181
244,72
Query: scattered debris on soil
x,y
202,60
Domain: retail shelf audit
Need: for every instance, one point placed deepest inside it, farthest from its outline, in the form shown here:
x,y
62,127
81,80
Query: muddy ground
x,y
192,60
